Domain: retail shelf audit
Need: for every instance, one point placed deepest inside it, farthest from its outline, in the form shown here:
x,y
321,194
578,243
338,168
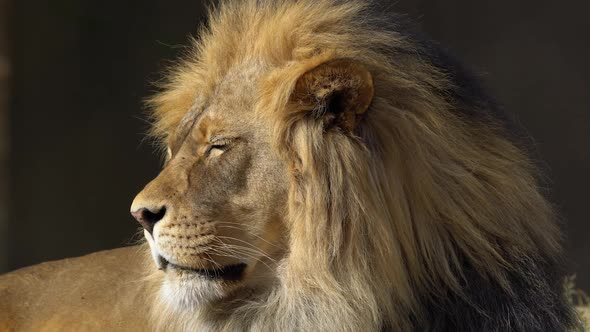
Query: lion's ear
x,y
337,91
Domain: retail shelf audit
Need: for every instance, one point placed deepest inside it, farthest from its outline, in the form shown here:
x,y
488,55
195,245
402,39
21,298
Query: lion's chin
x,y
186,287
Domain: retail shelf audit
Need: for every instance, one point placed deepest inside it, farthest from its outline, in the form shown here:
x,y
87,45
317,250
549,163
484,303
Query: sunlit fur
x,y
380,221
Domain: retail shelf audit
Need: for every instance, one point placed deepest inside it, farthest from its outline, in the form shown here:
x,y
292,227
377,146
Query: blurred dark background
x,y
73,75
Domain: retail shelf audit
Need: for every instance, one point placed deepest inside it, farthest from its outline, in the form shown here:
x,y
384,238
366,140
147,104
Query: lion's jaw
x,y
184,289
221,198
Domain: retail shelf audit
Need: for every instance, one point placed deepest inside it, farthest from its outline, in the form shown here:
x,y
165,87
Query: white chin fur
x,y
190,293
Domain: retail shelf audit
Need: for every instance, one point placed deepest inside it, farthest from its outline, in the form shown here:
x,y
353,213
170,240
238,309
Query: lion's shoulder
x,y
74,291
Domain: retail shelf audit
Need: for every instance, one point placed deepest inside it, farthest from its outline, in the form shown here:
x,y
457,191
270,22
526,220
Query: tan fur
x,y
345,226
104,291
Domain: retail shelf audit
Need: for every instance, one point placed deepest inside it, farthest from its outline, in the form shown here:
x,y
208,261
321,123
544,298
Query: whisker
x,y
232,253
217,265
239,250
222,225
252,247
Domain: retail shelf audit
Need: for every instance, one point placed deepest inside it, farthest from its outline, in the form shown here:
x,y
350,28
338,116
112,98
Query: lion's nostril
x,y
147,218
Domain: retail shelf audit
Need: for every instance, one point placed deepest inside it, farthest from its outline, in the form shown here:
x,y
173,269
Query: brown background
x,y
72,132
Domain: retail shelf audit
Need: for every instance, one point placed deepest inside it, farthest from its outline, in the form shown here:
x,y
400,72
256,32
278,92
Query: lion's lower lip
x,y
228,272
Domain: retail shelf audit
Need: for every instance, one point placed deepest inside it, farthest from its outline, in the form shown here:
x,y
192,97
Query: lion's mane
x,y
429,218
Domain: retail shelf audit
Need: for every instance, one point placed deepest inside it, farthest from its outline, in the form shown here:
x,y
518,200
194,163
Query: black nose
x,y
147,218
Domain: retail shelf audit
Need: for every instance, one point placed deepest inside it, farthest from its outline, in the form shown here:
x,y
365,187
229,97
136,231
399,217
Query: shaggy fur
x,y
427,217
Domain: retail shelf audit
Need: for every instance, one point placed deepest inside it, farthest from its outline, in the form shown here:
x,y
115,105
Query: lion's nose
x,y
148,218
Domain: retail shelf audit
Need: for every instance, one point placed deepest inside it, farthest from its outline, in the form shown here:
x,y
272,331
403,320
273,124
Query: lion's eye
x,y
216,148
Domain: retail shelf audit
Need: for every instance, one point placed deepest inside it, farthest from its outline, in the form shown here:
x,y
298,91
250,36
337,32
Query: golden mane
x,y
386,218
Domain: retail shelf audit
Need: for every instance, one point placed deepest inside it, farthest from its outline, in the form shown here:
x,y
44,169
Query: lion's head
x,y
214,217
326,172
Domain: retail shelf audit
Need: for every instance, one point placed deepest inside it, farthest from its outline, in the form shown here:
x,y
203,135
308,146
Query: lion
x,y
327,169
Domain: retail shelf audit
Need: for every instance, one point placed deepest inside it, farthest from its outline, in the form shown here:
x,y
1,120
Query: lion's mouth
x,y
227,272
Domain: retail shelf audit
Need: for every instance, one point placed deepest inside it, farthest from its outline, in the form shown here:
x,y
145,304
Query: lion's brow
x,y
188,122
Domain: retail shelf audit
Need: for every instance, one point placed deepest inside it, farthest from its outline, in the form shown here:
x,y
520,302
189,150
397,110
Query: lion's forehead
x,y
237,91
